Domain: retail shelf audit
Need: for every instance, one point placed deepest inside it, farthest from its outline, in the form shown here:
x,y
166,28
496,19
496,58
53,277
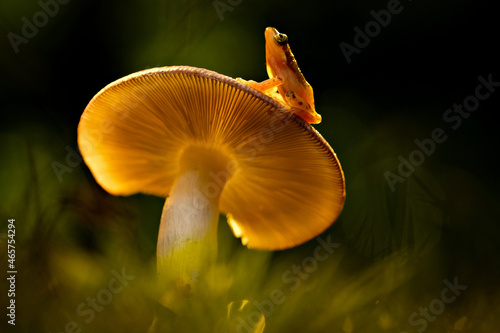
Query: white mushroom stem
x,y
187,240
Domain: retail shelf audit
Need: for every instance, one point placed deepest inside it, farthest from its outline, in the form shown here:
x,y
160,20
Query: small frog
x,y
286,84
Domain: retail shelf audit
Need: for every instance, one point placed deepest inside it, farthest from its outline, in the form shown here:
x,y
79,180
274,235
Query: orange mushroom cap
x,y
282,182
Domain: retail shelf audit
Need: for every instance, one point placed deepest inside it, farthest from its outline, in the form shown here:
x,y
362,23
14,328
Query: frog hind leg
x,y
301,108
296,101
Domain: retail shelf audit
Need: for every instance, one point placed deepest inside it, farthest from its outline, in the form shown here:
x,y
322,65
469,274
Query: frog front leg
x,y
268,87
264,86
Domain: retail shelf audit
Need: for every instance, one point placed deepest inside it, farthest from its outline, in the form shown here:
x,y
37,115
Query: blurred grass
x,y
396,248
70,236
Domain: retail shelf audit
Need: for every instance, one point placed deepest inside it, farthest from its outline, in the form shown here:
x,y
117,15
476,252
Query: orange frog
x,y
286,84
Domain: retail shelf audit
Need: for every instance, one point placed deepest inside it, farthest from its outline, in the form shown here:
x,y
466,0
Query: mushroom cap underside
x,y
282,182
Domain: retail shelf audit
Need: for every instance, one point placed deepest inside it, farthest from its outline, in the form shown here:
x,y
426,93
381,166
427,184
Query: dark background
x,y
397,247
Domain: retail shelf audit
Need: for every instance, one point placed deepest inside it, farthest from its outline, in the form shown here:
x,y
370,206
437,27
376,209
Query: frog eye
x,y
281,39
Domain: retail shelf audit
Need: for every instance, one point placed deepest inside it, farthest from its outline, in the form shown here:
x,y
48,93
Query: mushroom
x,y
210,144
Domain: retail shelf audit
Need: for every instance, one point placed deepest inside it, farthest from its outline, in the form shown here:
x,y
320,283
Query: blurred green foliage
x,y
396,248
